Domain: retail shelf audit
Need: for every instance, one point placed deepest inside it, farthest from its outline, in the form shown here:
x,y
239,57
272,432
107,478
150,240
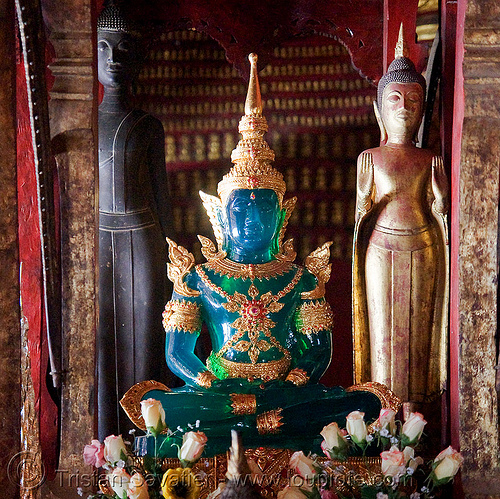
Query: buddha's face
x,y
402,107
253,217
117,58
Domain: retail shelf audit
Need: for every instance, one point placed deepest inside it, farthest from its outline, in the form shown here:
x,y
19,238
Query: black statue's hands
x,y
365,182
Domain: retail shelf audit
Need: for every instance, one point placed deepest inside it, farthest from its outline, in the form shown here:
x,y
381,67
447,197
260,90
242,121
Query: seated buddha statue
x,y
269,323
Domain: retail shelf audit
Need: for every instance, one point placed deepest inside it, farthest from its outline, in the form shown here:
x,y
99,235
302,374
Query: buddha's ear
x,y
383,133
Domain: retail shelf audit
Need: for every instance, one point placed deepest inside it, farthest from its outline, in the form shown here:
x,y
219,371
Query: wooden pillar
x,y
73,122
10,331
395,13
474,303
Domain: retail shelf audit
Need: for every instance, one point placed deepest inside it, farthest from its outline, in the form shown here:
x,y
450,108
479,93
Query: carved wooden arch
x,y
261,25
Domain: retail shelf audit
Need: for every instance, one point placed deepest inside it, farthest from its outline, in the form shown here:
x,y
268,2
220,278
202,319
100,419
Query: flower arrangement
x,y
401,472
127,477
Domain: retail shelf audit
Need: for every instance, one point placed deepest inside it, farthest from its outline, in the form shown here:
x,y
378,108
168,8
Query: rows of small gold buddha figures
x,y
308,104
238,89
222,124
199,147
169,70
296,51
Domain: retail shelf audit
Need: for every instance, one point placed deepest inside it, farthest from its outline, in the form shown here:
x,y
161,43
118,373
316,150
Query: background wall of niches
x,y
320,117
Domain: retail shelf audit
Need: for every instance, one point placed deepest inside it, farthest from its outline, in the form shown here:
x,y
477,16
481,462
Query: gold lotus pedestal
x,y
272,472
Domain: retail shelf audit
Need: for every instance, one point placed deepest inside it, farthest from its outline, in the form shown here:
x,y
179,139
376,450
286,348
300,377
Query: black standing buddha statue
x,y
134,218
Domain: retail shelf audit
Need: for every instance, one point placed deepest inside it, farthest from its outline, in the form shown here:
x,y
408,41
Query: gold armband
x,y
243,403
182,315
314,317
204,379
298,377
269,422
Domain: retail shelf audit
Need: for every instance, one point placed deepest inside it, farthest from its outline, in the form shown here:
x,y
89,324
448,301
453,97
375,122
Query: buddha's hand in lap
x,y
242,385
233,385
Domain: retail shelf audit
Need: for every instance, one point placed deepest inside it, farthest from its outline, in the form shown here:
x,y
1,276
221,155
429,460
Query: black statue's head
x,y
118,52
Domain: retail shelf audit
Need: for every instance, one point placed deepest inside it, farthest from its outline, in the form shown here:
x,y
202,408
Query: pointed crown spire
x,y
401,70
401,49
252,156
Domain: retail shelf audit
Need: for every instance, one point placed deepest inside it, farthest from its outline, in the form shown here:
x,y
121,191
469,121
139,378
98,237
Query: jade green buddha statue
x,y
269,324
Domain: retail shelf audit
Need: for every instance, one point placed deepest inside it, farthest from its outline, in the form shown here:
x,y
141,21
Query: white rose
x,y
413,427
298,488
193,444
387,420
119,481
356,426
302,465
138,488
333,436
449,461
290,492
113,449
410,460
393,462
153,415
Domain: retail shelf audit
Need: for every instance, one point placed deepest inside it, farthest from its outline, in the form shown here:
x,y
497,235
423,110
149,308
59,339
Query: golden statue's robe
x,y
400,309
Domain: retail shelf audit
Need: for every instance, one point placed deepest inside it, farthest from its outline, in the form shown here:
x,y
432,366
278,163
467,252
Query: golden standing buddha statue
x,y
400,267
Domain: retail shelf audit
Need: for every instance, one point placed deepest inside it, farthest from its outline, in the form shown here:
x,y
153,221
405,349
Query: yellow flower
x,y
180,483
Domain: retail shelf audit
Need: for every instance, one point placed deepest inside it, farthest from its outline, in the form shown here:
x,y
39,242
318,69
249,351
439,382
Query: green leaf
x,y
368,493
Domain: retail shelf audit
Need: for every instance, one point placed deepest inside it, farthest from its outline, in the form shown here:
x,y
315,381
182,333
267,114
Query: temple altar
x,y
467,130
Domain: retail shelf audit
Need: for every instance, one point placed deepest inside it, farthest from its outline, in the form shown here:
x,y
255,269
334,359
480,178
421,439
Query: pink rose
x,y
328,494
93,454
138,487
302,465
413,427
193,444
393,462
449,462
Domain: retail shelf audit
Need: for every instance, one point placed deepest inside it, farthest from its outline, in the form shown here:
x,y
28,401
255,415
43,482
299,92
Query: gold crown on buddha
x,y
252,157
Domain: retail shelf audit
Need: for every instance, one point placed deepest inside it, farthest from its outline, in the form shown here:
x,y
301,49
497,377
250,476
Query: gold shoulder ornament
x,y
314,316
317,264
181,262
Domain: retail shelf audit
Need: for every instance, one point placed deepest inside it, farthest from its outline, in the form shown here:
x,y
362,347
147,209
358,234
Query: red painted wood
x,y
395,13
458,117
260,26
31,278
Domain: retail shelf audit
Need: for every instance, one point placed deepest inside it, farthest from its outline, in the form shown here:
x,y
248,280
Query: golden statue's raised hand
x,y
439,185
365,182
